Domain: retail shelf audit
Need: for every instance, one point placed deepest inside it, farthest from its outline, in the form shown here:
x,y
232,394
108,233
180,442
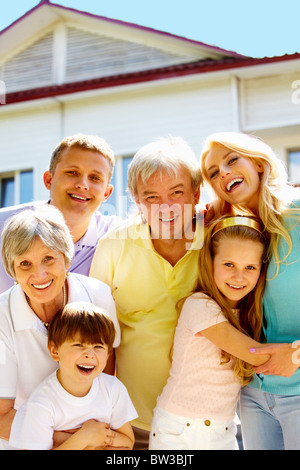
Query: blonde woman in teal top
x,y
247,177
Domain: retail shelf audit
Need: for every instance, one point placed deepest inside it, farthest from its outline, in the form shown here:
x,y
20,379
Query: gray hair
x,y
167,154
45,222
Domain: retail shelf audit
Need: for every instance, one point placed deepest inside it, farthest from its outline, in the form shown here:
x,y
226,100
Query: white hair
x,y
169,154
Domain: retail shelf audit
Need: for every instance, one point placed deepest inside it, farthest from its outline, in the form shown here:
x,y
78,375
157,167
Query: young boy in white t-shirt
x,y
93,407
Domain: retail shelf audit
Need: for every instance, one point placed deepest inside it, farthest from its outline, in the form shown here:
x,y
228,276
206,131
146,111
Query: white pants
x,y
174,432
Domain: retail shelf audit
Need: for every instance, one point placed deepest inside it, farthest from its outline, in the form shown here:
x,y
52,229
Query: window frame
x,y
289,152
16,175
120,194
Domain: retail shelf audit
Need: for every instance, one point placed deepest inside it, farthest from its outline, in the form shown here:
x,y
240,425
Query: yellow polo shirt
x,y
145,288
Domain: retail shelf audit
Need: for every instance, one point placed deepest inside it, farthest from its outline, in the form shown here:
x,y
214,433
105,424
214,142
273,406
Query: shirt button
x,y
207,422
188,424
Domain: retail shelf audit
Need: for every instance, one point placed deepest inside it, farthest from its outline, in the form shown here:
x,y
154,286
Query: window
x,y
16,188
119,203
294,166
7,192
126,202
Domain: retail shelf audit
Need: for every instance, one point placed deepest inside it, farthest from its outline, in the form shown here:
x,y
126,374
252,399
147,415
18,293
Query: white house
x,y
64,71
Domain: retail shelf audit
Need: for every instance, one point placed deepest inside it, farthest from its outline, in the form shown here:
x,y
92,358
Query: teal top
x,y
281,305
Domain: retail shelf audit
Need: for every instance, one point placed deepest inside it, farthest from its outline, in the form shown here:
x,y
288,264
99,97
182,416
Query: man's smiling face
x,y
80,182
168,203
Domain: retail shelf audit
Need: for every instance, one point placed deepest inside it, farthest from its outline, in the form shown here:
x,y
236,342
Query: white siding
x,y
130,119
267,102
27,139
91,56
30,68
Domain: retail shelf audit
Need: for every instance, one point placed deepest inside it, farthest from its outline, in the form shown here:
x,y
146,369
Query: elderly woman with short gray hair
x,y
37,250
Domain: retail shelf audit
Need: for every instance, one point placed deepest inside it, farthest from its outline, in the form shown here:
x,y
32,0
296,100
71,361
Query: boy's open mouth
x,y
85,369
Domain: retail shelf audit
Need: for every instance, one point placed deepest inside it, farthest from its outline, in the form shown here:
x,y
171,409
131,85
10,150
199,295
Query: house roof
x,y
46,12
200,67
187,57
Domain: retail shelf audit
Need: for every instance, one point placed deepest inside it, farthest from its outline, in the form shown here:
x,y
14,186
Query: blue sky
x,y
256,28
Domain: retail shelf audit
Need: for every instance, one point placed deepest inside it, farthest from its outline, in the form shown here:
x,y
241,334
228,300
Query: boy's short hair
x,y
89,322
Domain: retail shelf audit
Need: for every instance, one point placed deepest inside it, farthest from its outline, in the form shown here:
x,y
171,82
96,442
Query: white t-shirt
x,y
50,407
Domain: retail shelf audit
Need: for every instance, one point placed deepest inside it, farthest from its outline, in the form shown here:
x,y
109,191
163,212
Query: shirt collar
x,y
141,231
22,316
90,237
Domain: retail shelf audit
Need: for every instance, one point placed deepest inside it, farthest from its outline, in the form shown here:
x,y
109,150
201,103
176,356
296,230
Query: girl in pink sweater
x,y
211,358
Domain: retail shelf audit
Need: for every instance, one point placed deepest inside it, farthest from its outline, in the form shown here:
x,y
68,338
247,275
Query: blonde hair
x,y
276,194
249,320
168,154
92,143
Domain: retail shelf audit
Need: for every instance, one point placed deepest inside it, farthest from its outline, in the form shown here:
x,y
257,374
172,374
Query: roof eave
x,y
194,68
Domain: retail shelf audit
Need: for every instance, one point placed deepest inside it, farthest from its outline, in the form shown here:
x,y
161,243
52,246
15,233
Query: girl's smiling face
x,y
236,267
234,177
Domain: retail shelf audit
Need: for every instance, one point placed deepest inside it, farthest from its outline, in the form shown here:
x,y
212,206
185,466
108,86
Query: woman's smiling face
x,y
234,177
41,272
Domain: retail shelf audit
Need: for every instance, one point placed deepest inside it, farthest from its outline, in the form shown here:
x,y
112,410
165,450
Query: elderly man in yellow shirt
x,y
151,263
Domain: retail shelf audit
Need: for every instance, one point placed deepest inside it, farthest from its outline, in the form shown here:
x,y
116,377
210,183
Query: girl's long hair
x,y
249,320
